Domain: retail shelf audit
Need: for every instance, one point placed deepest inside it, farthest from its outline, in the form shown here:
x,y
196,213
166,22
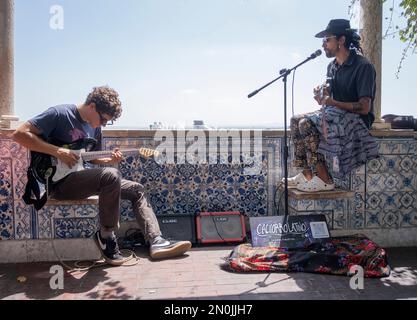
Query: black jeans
x,y
108,184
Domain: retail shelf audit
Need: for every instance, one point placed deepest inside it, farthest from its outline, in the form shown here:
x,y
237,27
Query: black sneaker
x,y
163,249
109,249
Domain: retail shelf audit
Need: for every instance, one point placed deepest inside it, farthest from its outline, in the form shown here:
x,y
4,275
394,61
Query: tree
x,y
406,33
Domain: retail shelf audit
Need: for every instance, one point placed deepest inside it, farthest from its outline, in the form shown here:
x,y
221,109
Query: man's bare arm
x,y
29,136
362,107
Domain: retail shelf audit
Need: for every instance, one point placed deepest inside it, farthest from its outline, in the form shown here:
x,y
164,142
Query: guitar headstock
x,y
146,152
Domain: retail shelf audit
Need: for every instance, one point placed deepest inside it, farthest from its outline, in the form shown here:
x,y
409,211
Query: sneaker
x,y
163,249
109,249
296,180
315,185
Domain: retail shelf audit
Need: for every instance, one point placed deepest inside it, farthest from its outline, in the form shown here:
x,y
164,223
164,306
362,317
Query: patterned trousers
x,y
306,139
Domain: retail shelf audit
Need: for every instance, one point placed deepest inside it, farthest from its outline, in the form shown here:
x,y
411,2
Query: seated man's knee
x,y
111,176
294,121
134,191
138,191
304,125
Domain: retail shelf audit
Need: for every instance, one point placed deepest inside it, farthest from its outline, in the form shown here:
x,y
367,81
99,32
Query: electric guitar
x,y
48,169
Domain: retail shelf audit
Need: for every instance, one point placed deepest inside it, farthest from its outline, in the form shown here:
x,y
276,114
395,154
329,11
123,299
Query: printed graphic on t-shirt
x,y
77,134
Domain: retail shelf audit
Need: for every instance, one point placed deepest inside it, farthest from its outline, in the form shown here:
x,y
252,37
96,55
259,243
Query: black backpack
x,y
32,195
401,122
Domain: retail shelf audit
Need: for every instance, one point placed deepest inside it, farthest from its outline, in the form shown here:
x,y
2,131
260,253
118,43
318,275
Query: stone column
x,y
6,58
371,33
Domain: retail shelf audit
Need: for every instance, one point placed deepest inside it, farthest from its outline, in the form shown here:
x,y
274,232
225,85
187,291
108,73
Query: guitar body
x,y
47,168
62,170
42,167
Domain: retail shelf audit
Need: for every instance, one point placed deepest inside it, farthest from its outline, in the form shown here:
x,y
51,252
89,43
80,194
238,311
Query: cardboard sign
x,y
294,232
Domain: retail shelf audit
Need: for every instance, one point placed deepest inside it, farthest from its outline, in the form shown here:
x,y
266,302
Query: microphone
x,y
285,72
315,54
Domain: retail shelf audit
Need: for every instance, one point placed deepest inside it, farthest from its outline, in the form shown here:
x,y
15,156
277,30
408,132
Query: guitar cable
x,y
292,92
85,265
215,226
278,204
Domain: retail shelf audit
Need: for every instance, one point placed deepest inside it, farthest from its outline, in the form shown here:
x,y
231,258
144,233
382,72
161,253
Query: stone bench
x,y
62,219
83,214
64,232
93,200
335,205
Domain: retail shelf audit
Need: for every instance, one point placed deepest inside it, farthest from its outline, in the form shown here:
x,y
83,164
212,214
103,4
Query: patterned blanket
x,y
336,255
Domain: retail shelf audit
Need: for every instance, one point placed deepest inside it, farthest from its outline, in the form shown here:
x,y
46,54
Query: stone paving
x,y
198,276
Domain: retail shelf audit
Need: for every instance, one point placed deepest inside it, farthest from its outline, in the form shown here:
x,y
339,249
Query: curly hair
x,y
106,100
352,42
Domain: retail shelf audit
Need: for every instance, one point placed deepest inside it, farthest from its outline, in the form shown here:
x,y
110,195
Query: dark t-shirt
x,y
353,80
63,123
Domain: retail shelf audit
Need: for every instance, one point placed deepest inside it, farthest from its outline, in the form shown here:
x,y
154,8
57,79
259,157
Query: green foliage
x,y
406,33
409,32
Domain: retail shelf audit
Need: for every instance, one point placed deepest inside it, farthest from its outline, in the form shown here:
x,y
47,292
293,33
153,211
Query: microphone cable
x,y
292,92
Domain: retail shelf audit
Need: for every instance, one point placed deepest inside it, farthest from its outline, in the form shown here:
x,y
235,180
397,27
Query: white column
x,y
6,57
371,33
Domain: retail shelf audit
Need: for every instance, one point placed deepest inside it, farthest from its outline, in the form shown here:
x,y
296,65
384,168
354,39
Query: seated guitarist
x,y
69,123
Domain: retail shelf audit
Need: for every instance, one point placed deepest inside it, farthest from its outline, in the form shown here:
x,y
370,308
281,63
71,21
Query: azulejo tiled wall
x,y
218,185
385,189
336,211
15,216
388,187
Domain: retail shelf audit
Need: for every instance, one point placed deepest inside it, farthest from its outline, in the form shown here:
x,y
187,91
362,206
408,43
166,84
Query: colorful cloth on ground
x,y
335,255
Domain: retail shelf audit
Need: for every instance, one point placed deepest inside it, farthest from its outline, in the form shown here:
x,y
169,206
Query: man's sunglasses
x,y
326,39
104,121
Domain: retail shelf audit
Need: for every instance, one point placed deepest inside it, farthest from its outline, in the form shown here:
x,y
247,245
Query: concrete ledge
x,y
391,133
386,238
328,195
266,133
25,251
147,133
93,200
22,251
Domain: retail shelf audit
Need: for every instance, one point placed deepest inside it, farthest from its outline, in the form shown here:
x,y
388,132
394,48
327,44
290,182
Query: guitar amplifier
x,y
177,227
220,227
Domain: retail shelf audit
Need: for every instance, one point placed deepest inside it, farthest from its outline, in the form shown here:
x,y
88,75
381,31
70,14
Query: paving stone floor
x,y
198,275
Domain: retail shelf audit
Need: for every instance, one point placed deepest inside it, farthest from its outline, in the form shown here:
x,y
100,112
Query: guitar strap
x,y
32,195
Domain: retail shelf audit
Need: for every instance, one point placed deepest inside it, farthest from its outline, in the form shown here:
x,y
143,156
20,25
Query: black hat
x,y
337,27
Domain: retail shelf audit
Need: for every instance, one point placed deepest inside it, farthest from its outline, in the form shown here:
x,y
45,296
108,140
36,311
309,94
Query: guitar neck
x,y
94,155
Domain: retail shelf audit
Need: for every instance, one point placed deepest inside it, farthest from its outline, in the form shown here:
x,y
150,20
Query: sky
x,y
175,61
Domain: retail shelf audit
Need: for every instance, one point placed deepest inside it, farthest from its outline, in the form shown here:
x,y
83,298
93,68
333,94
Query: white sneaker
x,y
164,249
296,180
314,185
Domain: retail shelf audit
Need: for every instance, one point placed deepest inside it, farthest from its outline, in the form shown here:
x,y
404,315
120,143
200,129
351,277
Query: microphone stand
x,y
284,73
